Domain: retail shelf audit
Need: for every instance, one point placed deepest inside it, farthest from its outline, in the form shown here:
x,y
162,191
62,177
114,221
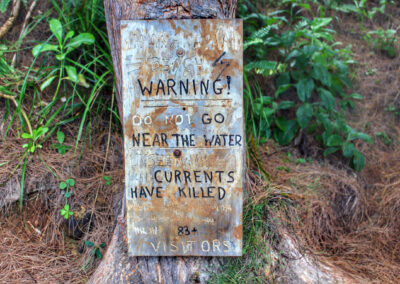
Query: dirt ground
x,y
350,221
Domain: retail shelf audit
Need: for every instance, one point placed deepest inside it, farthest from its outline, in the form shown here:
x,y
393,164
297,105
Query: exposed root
x,y
8,24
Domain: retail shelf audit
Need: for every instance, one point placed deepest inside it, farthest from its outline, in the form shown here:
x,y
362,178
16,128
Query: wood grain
x,y
117,266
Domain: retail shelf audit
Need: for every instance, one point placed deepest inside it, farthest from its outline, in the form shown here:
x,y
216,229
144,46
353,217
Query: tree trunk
x,y
117,266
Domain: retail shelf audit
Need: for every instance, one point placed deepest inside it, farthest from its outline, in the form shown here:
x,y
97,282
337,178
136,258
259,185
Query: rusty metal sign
x,y
184,136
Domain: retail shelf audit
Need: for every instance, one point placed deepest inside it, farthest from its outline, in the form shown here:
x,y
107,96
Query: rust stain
x,y
184,136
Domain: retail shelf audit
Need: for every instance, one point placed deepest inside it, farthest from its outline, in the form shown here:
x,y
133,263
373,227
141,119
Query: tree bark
x,y
117,266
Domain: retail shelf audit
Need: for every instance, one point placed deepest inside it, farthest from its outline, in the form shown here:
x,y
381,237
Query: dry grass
x,y
39,246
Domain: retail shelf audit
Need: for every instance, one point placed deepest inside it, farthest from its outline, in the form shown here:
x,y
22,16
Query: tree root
x,y
8,24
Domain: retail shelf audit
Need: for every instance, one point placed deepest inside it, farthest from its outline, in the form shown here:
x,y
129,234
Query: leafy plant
x,y
33,143
95,250
61,148
65,212
311,76
107,179
66,44
65,186
383,40
3,5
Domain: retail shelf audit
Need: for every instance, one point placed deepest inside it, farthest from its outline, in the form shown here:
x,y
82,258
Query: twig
x,y
12,98
28,15
8,24
109,131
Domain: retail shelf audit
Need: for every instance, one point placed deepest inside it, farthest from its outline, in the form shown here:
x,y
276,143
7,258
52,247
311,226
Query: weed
x,y
384,137
65,186
95,250
61,148
107,179
256,260
3,5
383,40
311,67
33,143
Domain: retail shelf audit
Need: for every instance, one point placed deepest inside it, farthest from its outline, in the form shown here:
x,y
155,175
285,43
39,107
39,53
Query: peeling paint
x,y
184,136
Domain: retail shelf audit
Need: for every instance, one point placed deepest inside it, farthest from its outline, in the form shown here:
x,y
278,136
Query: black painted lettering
x,y
231,178
204,87
221,193
185,88
144,136
145,89
217,90
170,86
160,86
136,140
155,176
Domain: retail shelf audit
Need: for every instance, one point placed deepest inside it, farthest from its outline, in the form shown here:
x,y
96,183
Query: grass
x,y
256,263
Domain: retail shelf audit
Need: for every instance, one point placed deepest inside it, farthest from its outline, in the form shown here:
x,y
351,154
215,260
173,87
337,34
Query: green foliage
x,y
33,143
64,47
65,212
95,250
383,40
61,148
65,186
3,5
256,260
107,179
359,7
311,77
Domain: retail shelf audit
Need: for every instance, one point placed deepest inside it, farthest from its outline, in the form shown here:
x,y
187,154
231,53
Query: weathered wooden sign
x,y
184,138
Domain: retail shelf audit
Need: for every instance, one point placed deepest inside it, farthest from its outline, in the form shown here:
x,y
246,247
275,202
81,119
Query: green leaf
x,y
327,99
348,150
56,28
320,22
43,47
286,104
25,145
69,35
282,89
358,161
304,114
26,136
60,136
61,56
262,65
67,194
63,212
70,182
283,79
321,73
268,111
102,245
305,86
63,185
84,38
98,254
47,82
330,150
287,132
360,135
334,140
356,96
252,42
89,244
72,74
4,5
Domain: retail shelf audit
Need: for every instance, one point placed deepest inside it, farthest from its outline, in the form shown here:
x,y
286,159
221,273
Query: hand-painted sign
x,y
184,136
